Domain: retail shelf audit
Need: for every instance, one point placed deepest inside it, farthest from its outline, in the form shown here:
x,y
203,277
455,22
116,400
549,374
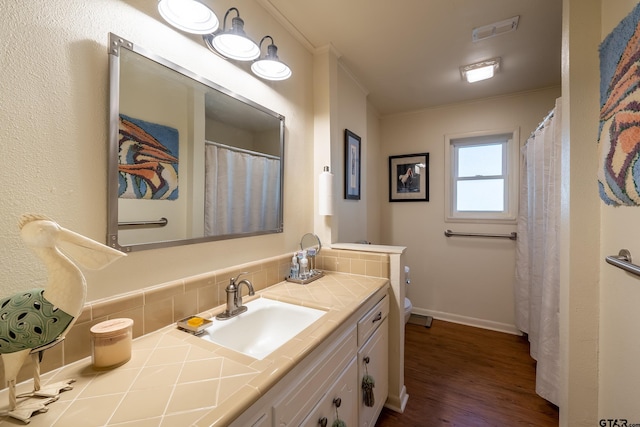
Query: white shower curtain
x,y
242,191
537,287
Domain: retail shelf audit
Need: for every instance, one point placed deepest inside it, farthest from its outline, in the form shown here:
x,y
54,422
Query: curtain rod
x,y
544,121
243,150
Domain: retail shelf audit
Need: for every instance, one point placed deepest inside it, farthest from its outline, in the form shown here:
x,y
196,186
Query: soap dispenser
x,y
304,266
295,268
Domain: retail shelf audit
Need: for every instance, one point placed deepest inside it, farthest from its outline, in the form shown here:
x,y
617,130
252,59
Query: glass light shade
x,y
480,71
190,16
236,46
271,69
478,74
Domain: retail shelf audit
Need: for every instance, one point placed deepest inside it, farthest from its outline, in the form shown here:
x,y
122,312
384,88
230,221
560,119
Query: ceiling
x,y
407,54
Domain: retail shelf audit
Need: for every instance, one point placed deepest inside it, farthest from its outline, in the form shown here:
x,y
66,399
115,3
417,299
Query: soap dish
x,y
194,324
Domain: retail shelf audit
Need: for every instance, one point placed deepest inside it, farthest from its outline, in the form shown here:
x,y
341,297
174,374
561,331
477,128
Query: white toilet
x,y
407,309
407,302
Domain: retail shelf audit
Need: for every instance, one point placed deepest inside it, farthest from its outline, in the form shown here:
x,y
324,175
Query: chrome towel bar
x,y
623,261
141,224
512,236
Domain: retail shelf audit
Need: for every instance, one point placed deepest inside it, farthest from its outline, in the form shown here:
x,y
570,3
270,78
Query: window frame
x,y
510,172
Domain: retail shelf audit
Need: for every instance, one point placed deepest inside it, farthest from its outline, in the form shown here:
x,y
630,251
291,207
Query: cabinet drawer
x,y
305,394
370,321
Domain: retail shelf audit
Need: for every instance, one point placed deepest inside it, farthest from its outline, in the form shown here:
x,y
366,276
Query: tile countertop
x,y
175,379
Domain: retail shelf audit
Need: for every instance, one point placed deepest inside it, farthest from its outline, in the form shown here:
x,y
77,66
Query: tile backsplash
x,y
158,306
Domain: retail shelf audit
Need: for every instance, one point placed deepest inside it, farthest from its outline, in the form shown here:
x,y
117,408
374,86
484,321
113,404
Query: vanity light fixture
x,y
234,42
191,16
480,70
270,67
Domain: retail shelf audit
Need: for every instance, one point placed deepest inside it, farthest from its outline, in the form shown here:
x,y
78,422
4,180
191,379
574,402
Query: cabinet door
x,y
263,420
311,385
344,389
373,358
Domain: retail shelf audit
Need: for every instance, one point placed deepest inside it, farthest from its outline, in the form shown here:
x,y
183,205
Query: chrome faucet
x,y
234,297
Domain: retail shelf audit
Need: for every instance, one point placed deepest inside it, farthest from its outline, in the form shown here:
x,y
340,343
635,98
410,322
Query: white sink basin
x,y
266,325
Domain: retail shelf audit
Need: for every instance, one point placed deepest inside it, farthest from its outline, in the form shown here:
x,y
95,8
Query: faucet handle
x,y
233,279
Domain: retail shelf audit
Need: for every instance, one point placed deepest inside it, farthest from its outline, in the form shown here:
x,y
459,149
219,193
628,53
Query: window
x,y
483,177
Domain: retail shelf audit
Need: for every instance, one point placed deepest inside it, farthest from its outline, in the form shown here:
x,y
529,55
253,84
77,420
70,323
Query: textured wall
x,y
619,344
53,131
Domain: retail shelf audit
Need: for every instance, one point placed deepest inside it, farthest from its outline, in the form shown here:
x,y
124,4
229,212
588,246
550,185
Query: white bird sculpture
x,y
35,320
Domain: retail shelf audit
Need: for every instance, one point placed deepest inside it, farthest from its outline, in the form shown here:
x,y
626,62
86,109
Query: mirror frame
x,y
117,43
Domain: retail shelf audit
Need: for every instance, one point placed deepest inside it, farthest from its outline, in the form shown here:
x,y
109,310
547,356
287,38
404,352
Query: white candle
x,y
111,343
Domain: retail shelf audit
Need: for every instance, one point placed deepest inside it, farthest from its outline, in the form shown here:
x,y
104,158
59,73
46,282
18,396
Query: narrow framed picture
x,y
409,178
351,165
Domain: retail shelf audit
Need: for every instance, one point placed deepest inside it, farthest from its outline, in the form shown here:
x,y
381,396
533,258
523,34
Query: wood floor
x,y
466,377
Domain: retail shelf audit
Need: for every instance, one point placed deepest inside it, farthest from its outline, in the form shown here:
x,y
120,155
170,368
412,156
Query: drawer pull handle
x,y
366,360
322,422
377,318
337,401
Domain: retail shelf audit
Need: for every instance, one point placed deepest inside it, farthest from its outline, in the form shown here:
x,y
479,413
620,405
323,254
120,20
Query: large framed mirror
x,y
189,161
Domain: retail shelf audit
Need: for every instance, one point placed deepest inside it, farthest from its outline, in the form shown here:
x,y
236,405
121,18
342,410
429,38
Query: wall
x,y
351,220
53,131
374,188
458,279
580,213
619,344
340,102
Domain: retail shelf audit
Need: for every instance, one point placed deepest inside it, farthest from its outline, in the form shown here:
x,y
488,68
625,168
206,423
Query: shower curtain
x,y
242,191
537,286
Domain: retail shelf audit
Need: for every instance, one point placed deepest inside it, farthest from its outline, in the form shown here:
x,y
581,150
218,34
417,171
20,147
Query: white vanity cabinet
x,y
373,359
319,380
308,394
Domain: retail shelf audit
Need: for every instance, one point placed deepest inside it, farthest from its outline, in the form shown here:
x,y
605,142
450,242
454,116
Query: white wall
x,y
374,165
351,220
53,131
459,279
580,215
619,291
340,102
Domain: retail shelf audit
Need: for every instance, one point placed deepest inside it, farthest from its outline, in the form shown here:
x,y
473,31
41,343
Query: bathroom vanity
x,y
175,378
326,385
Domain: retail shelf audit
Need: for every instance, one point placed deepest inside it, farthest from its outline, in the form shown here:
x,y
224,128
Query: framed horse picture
x,y
409,178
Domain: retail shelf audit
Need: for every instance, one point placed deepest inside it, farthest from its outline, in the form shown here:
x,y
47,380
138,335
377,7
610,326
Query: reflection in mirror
x,y
189,161
310,241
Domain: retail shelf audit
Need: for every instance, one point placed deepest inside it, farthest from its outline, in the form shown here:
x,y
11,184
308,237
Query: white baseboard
x,y
469,321
398,403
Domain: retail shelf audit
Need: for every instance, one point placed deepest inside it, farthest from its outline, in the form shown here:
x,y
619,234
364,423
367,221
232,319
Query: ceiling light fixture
x,y
234,42
270,67
480,70
190,16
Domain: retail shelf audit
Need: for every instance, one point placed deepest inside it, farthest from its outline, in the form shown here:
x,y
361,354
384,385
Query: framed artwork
x,y
409,178
351,165
147,150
